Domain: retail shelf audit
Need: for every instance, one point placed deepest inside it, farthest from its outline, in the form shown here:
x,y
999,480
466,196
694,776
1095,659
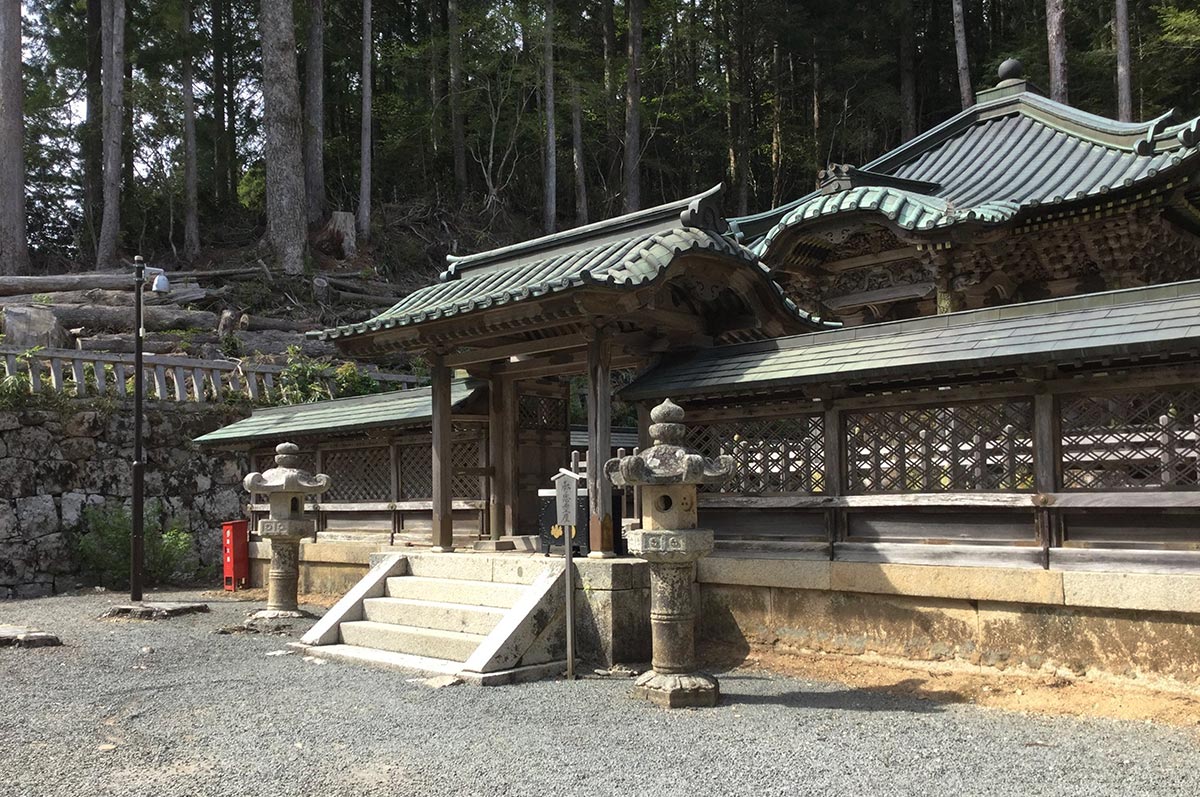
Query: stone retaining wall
x,y
55,462
1133,625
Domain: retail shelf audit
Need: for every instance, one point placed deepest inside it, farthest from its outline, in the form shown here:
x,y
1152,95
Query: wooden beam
x,y
863,261
526,347
599,415
443,518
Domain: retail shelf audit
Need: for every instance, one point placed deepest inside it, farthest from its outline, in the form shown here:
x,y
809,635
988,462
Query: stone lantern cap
x,y
668,461
285,477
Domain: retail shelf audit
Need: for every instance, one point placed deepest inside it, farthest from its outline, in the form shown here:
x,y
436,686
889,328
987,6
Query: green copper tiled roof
x,y
338,416
623,253
1163,318
625,263
993,161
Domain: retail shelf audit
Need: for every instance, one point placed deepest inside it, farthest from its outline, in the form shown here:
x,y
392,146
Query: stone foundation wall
x,y
55,462
1129,625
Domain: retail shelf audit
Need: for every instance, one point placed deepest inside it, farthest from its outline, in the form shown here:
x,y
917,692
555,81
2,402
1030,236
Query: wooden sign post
x,y
566,486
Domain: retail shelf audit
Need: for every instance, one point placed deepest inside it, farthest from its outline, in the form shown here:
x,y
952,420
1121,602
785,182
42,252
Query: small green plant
x,y
302,380
348,380
231,345
42,298
102,547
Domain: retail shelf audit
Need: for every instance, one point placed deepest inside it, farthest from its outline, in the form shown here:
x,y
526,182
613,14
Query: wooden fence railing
x,y
86,373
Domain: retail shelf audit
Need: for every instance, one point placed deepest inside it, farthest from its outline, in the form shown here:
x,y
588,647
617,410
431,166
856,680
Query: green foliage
x,y
710,84
102,547
305,380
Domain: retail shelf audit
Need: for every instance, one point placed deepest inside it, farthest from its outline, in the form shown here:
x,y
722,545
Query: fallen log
x,y
363,298
101,318
155,343
111,281
256,323
182,295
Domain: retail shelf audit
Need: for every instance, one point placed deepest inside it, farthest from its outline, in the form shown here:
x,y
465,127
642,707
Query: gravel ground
x,y
208,714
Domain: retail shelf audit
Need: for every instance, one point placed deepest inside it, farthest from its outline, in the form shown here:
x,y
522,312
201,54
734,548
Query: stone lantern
x,y
286,486
669,475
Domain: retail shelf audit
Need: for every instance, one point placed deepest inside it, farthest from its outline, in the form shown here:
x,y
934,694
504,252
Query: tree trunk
x,y
1056,39
14,254
908,76
127,142
960,51
314,113
93,134
436,91
550,171
191,189
458,134
633,110
113,20
776,125
581,196
364,171
282,150
816,106
220,156
1124,75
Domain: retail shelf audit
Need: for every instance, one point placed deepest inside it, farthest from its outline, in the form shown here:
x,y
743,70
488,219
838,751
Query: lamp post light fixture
x,y
159,284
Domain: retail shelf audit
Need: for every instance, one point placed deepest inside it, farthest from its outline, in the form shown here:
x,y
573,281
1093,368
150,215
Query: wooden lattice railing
x,y
80,373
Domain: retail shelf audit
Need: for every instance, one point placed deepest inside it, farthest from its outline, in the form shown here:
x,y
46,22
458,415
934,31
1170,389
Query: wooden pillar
x,y
443,518
835,482
599,415
502,447
1047,460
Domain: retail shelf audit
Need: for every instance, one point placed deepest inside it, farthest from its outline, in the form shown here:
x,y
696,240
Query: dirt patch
x,y
259,595
1036,693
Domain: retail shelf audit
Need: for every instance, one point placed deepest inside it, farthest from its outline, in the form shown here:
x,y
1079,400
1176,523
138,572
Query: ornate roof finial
x,y
1011,69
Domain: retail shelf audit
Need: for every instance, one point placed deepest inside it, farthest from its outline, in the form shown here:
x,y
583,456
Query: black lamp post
x,y
137,539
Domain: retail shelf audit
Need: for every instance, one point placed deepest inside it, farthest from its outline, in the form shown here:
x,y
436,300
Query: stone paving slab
x,y
153,611
20,636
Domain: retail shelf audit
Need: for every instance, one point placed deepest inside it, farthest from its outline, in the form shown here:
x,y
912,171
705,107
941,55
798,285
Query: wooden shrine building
x,y
961,384
612,295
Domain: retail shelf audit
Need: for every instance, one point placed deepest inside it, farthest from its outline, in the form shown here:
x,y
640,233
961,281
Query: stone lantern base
x,y
678,690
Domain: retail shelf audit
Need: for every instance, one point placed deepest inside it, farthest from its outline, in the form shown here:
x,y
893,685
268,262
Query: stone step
x,y
427,642
452,590
433,614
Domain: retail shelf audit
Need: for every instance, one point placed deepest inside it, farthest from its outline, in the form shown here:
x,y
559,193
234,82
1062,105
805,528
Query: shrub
x,y
102,547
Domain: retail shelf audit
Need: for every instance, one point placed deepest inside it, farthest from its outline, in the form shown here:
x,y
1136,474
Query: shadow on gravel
x,y
882,698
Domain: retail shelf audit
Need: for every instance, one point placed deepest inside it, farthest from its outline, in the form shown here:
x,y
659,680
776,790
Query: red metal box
x,y
235,553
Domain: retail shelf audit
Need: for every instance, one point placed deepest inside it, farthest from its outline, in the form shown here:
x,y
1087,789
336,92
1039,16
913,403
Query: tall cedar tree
x,y
1124,72
113,74
1056,41
363,221
314,113
282,149
14,254
960,51
633,110
191,187
550,171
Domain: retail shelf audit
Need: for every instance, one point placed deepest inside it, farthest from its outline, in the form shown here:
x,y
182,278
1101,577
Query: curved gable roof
x,y
990,163
621,254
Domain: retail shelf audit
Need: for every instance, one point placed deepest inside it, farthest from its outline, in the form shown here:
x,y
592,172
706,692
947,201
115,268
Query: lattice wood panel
x,y
776,455
358,474
465,454
1125,441
542,412
416,471
986,446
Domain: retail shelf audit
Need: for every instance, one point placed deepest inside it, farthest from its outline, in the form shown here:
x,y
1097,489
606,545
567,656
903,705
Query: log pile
x,y
94,312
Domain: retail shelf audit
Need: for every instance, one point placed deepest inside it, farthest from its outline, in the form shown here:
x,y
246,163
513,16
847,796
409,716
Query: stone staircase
x,y
469,616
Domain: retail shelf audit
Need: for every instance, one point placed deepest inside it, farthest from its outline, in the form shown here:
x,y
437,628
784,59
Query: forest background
x,y
158,126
